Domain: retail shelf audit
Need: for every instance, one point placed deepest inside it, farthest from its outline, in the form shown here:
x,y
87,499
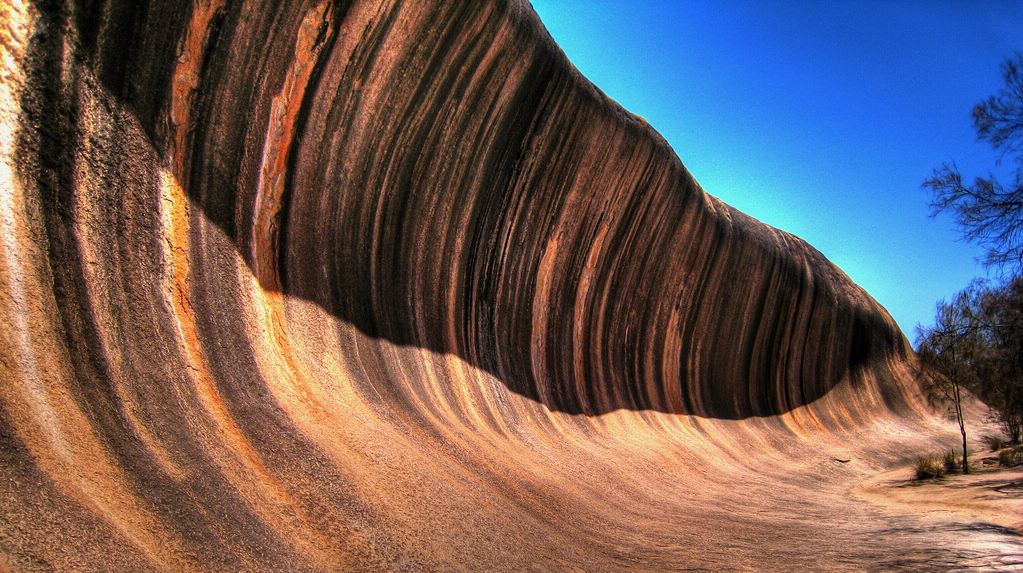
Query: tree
x,y
951,348
977,340
977,344
1001,322
988,211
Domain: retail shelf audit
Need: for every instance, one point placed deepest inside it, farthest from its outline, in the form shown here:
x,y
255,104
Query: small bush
x,y
952,462
1012,424
994,442
1010,457
929,467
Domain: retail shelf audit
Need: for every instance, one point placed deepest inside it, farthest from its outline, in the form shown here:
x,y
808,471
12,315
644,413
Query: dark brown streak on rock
x,y
323,46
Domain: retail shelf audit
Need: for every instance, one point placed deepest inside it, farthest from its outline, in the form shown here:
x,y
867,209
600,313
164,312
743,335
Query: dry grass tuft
x,y
929,467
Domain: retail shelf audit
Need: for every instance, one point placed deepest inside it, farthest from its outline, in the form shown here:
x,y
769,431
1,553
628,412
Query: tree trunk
x,y
966,464
962,424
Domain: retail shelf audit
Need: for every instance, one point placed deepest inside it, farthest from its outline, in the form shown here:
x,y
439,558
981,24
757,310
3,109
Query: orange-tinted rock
x,y
383,285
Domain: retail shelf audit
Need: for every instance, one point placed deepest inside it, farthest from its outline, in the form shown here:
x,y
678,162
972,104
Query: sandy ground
x,y
977,519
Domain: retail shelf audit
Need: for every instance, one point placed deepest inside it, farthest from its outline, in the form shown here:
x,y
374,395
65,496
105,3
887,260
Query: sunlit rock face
x,y
390,285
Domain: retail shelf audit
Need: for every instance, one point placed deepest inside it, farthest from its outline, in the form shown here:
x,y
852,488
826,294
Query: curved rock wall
x,y
388,285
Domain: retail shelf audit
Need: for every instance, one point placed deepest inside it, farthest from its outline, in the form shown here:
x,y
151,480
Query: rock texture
x,y
388,285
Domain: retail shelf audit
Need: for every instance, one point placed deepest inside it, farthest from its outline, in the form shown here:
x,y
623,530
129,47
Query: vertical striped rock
x,y
376,285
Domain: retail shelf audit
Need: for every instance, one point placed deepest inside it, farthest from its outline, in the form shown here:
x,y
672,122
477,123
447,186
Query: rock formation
x,y
389,285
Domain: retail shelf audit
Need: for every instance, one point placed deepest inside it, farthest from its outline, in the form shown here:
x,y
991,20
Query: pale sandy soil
x,y
976,519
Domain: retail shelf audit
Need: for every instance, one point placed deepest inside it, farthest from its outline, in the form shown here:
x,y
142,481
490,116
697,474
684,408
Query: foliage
x,y
1000,324
928,467
977,344
951,347
977,340
994,443
1010,457
951,462
989,211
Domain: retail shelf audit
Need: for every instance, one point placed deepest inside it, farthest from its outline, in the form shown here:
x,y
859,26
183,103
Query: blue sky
x,y
820,118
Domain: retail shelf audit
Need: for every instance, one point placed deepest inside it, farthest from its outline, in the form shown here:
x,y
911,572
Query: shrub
x,y
1010,457
929,467
952,462
994,442
1012,422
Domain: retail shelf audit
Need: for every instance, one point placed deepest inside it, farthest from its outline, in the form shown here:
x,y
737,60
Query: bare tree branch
x,y
988,212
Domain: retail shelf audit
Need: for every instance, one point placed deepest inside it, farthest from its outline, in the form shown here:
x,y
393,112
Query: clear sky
x,y
820,118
